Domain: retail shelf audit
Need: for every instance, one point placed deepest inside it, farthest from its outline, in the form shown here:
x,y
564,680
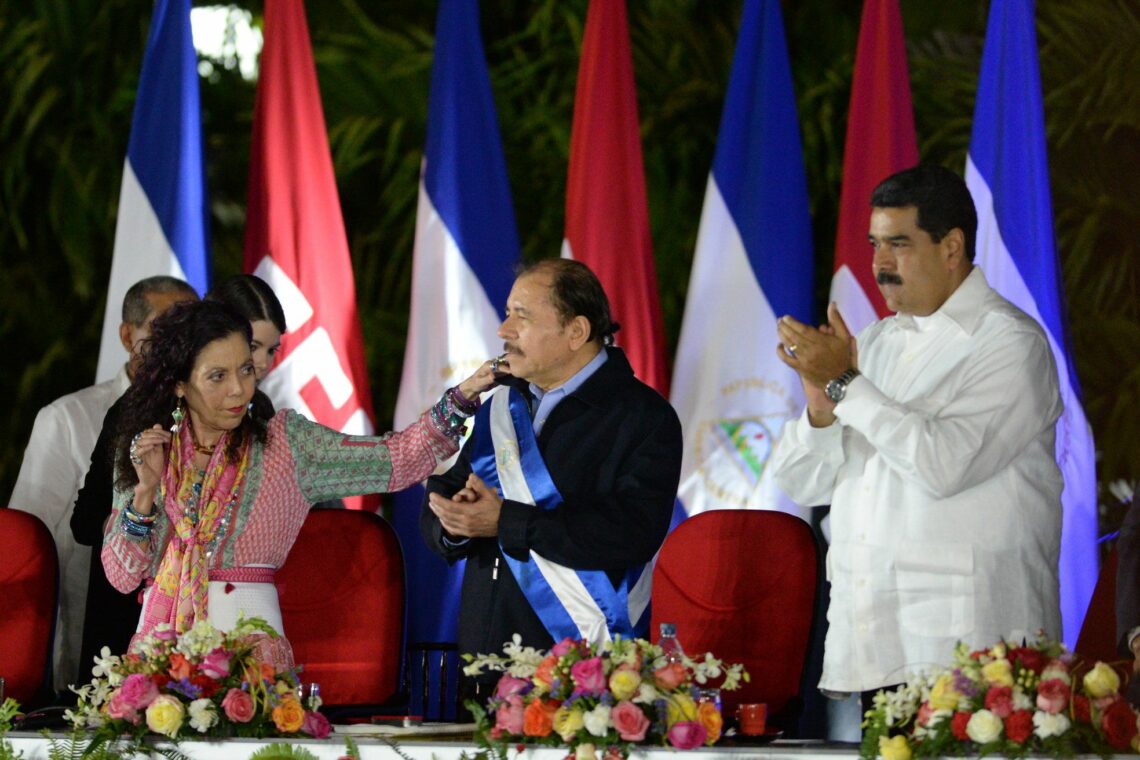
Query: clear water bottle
x,y
669,645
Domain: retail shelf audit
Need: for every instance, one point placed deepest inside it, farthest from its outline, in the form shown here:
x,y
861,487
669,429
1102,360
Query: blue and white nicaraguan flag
x,y
162,226
1008,176
465,252
753,264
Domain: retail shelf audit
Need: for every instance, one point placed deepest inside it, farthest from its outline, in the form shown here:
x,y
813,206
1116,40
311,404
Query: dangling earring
x,y
178,416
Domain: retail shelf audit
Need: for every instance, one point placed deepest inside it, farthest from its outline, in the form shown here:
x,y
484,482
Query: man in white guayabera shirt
x,y
931,435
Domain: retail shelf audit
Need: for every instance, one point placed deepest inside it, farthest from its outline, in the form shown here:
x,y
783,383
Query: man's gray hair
x,y
135,306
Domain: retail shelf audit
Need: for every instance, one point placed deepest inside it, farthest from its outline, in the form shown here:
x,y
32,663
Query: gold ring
x,y
792,350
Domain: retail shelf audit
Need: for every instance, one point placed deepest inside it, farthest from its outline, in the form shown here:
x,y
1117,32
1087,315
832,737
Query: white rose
x,y
984,727
646,694
585,752
1046,725
203,716
597,721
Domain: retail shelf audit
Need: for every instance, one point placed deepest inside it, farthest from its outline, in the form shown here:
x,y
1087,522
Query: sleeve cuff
x,y
514,521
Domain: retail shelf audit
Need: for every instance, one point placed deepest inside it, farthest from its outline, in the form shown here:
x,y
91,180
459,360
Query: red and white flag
x,y
295,240
607,218
880,142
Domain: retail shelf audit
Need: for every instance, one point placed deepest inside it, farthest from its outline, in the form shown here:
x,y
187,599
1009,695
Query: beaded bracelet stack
x,y
137,525
451,412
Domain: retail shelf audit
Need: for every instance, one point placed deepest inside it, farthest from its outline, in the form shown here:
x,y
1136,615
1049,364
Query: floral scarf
x,y
180,591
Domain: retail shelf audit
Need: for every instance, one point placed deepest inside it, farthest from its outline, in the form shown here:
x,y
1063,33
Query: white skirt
x,y
248,599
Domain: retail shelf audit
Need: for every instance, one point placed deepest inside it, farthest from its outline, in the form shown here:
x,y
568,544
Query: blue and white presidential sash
x,y
579,604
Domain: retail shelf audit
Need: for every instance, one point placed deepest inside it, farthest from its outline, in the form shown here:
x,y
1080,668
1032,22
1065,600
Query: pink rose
x,y
589,675
238,706
687,734
509,685
670,676
137,692
999,701
509,716
216,664
563,647
118,710
924,713
315,725
630,721
165,634
1052,696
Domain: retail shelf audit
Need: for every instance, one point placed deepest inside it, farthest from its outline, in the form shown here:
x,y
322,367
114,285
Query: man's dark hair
x,y
251,296
941,197
135,306
575,291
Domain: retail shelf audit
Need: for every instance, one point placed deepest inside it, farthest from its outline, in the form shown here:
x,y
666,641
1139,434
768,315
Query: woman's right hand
x,y
483,379
148,455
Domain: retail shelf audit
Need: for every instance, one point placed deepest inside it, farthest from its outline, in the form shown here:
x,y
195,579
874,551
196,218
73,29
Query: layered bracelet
x,y
451,412
135,524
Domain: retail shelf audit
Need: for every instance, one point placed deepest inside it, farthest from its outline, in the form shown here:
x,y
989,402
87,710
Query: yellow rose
x,y
1101,681
894,748
567,722
680,707
585,752
624,683
998,673
944,696
289,715
165,715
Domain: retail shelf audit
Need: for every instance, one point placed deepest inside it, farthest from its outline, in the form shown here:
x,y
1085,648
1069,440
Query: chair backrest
x,y
1097,640
29,572
342,604
741,584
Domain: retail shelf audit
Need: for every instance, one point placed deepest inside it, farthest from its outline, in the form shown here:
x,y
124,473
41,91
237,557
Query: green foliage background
x,y
71,69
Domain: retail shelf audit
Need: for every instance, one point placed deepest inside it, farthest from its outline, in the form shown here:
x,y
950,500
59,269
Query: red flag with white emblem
x,y
295,239
880,142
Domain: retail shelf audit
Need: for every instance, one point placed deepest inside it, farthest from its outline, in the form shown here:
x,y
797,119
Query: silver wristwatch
x,y
836,390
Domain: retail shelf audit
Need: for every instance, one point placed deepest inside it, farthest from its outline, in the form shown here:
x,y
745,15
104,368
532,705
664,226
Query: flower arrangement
x,y
1010,700
203,683
598,699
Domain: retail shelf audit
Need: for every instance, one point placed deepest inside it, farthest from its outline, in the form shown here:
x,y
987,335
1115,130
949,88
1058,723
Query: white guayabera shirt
x,y
55,463
945,494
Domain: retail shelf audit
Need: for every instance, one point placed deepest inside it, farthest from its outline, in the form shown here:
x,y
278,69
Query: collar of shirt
x,y
545,401
963,308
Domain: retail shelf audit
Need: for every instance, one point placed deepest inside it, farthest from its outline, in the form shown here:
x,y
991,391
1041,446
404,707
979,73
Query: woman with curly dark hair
x,y
206,510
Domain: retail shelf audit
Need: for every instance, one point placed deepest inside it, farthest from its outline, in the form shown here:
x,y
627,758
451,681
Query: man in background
x,y
57,457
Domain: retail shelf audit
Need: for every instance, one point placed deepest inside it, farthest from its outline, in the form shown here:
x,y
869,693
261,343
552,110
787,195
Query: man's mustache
x,y
512,349
888,278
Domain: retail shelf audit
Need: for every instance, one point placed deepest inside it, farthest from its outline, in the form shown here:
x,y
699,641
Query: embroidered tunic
x,y
300,463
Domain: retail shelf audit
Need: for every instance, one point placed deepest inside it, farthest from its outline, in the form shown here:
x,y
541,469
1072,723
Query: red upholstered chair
x,y
342,604
741,584
1097,640
29,591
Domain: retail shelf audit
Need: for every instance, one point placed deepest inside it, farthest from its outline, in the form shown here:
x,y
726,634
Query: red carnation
x,y
958,725
209,686
1119,725
1019,726
1029,658
1081,711
999,701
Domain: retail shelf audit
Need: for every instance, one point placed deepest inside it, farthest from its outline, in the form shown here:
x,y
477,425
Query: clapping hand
x,y
473,512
